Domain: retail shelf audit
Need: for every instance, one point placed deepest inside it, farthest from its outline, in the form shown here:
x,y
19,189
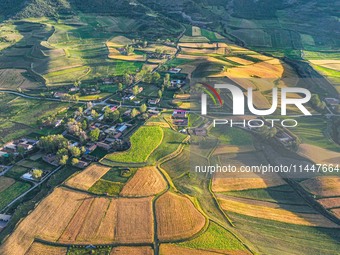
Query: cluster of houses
x,y
15,146
180,117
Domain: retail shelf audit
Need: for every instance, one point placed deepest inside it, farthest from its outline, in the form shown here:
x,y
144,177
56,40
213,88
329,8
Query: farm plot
x,y
323,186
5,182
329,203
177,217
15,78
234,181
125,250
171,141
87,178
12,192
216,239
47,221
170,249
146,182
318,155
135,223
147,137
43,249
290,239
272,211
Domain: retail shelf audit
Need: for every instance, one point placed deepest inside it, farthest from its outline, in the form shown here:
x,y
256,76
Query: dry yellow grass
x,y
318,155
42,249
336,212
170,249
196,31
124,250
146,182
133,57
328,63
243,181
177,217
94,217
107,228
234,182
228,149
160,124
72,230
135,223
323,186
331,202
87,178
202,45
271,69
240,60
119,41
47,221
5,182
182,96
257,209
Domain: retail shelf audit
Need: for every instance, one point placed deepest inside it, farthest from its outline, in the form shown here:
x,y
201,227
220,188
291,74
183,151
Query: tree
x,y
75,151
129,49
62,152
89,105
37,173
111,115
94,134
52,143
94,114
135,90
160,93
143,108
156,77
74,161
127,79
166,80
316,102
21,151
63,160
134,113
267,132
84,125
120,87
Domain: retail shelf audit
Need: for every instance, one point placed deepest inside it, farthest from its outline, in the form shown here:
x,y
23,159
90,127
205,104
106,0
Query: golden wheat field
x,y
273,211
177,217
125,250
88,177
135,223
331,202
43,249
336,212
318,155
229,149
147,181
323,186
47,221
170,249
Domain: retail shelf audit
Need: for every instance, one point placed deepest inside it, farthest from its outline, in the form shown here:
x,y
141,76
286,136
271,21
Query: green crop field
x,y
171,141
148,138
272,237
12,192
215,238
107,187
312,130
231,136
282,194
